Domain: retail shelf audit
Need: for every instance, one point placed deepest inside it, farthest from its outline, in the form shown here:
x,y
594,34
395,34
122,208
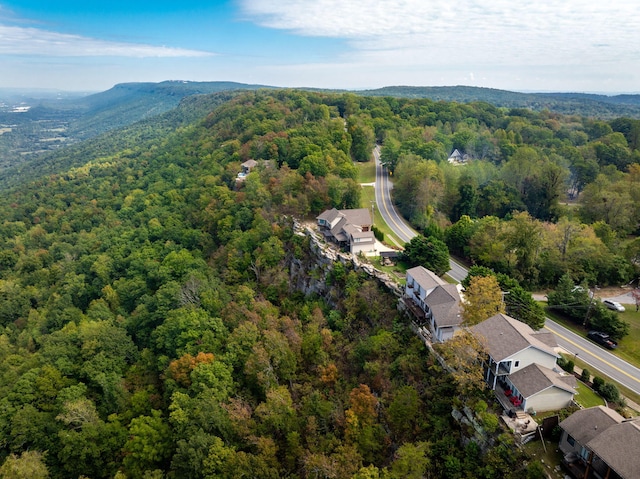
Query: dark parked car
x,y
603,339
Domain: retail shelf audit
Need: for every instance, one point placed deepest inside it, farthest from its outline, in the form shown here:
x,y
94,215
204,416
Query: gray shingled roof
x,y
444,302
360,216
534,378
618,447
505,336
250,163
425,278
585,424
337,230
546,337
350,222
328,215
364,235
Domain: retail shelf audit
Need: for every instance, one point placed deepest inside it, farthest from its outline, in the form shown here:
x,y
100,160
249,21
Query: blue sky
x,y
521,45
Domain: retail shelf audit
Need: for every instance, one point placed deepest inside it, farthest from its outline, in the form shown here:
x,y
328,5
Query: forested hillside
x,y
55,120
51,123
149,327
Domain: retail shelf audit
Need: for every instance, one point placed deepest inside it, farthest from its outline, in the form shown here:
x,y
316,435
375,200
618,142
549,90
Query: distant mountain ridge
x,y
127,103
584,104
54,121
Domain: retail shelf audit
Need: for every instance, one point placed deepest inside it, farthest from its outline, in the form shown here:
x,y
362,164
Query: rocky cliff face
x,y
309,275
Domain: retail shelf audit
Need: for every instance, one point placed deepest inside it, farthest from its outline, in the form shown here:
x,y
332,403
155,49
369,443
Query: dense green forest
x,y
150,327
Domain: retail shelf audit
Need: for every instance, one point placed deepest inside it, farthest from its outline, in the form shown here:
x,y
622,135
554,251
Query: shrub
x,y
535,470
480,407
377,233
562,361
585,377
610,392
569,366
598,382
489,421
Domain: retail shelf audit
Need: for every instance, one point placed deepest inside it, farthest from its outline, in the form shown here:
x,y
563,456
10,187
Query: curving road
x,y
383,188
398,225
596,357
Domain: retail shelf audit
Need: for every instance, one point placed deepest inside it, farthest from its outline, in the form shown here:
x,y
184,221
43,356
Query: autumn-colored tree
x,y
363,403
482,299
463,356
361,416
180,369
29,465
328,374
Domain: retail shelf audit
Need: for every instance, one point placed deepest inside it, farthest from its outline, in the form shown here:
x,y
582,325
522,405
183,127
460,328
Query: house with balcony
x,y
350,229
435,302
598,442
521,365
537,388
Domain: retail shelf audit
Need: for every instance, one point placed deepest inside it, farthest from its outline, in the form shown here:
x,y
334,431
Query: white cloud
x,y
444,32
16,40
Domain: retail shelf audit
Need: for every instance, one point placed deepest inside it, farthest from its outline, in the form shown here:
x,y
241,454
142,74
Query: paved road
x,y
595,356
398,225
598,358
383,188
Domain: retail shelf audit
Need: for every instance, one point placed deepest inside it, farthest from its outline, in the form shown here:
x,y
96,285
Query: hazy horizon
x,y
572,46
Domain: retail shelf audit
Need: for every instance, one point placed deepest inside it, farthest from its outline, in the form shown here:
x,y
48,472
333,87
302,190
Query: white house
x,y
522,364
349,228
536,388
457,158
437,300
512,345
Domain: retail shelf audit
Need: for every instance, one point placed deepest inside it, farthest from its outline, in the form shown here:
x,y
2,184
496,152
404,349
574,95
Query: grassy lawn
x,y
586,397
624,391
397,272
366,172
551,456
629,347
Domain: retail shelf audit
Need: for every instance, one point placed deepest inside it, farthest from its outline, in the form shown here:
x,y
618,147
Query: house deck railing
x,y
416,310
504,394
500,370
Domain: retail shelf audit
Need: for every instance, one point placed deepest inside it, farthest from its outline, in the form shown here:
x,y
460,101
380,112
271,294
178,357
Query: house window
x,y
584,453
571,440
516,364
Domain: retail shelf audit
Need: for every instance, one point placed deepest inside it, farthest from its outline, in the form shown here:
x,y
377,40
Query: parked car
x,y
613,305
603,339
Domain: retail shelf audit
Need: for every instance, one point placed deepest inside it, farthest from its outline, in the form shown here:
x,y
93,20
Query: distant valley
x,y
36,123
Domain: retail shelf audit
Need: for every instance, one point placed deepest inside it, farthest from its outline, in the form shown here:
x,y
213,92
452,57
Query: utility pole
x,y
504,293
373,211
586,316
